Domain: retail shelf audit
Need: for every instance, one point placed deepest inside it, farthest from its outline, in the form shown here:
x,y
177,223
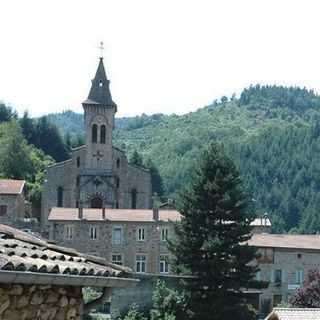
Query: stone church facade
x,y
98,175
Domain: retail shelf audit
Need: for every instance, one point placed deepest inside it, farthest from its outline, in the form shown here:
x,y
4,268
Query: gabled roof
x,y
8,186
28,257
288,241
294,314
100,92
121,215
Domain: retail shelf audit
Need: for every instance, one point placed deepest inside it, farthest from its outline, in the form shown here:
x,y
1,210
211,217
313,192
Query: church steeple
x,y
100,92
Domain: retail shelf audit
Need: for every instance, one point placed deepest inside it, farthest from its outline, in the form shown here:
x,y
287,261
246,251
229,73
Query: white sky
x,y
161,56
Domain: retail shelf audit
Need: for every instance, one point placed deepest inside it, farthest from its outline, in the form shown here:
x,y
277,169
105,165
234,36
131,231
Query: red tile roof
x,y
288,241
134,215
11,186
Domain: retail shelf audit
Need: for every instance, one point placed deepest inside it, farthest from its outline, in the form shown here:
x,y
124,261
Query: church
x,y
98,175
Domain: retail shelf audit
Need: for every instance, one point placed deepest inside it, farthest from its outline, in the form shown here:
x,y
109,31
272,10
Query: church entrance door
x,y
96,203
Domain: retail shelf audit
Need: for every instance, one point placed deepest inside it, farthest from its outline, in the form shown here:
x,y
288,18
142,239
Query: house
x,y
12,201
294,314
39,280
284,262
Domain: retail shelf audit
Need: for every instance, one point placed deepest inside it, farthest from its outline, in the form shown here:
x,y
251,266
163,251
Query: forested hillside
x,y
271,132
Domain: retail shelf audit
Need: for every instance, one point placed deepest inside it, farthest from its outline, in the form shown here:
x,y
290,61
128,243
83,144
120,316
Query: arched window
x,y
60,197
78,181
118,182
103,134
118,163
133,199
94,133
78,162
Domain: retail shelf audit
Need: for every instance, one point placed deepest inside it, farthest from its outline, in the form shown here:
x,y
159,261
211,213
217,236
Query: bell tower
x,y
99,112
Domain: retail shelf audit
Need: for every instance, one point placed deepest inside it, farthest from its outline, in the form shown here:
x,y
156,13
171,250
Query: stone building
x,y
98,174
39,280
294,314
12,201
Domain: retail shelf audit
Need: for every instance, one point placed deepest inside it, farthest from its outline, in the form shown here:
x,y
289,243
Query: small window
x,y
93,233
77,204
117,205
78,181
117,259
141,266
164,234
3,210
277,299
133,199
68,232
164,264
118,183
100,83
299,276
118,163
103,134
117,235
277,276
94,133
78,162
60,197
141,234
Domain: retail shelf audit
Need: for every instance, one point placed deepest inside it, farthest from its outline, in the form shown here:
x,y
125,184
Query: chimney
x,y
80,212
103,213
155,213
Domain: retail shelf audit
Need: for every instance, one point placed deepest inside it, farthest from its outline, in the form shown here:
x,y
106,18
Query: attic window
x,y
100,83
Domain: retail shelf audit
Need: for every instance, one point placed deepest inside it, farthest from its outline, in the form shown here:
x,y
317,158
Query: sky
x,y
168,56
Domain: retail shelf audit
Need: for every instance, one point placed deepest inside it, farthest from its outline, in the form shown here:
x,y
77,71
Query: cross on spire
x,y
101,48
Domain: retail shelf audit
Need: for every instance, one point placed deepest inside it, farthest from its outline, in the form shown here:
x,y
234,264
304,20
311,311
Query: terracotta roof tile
x,y
265,240
20,251
11,186
135,215
294,314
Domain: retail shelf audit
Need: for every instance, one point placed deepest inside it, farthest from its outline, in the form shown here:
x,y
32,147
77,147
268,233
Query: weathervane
x,y
101,48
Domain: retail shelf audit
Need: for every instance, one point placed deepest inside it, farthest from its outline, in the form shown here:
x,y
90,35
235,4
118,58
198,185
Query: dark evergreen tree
x,y
28,129
210,240
7,113
136,159
156,180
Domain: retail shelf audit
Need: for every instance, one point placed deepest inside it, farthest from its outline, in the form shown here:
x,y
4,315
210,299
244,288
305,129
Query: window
x,y
118,163
258,276
118,183
164,234
141,234
68,232
299,276
93,233
133,199
117,259
3,210
277,299
117,235
94,133
78,162
164,264
277,276
78,181
100,83
141,263
103,134
60,197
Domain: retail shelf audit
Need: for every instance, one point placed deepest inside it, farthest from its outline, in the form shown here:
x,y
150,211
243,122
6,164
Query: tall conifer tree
x,y
209,242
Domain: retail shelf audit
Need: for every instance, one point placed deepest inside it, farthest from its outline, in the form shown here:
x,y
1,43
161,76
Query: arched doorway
x,y
96,202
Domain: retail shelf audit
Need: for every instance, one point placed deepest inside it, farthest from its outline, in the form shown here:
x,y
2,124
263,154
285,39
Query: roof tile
x,y
11,186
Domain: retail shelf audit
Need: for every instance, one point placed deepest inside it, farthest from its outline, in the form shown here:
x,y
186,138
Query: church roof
x,y
100,92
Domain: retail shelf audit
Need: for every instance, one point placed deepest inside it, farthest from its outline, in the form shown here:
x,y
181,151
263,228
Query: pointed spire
x,y
100,91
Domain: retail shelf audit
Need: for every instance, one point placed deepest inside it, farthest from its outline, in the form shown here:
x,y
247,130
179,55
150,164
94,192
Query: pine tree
x,y
136,159
209,242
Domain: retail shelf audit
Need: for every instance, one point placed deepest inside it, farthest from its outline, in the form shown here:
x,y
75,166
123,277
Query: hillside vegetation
x,y
271,132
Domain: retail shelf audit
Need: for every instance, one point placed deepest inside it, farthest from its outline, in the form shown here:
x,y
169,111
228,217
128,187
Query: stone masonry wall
x,y
40,302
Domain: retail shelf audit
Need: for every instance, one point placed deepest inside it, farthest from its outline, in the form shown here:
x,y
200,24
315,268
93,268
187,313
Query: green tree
x,y
7,113
136,159
210,240
156,179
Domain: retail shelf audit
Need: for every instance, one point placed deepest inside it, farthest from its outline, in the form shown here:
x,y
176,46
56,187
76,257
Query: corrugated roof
x,y
311,242
20,251
9,186
138,215
294,314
